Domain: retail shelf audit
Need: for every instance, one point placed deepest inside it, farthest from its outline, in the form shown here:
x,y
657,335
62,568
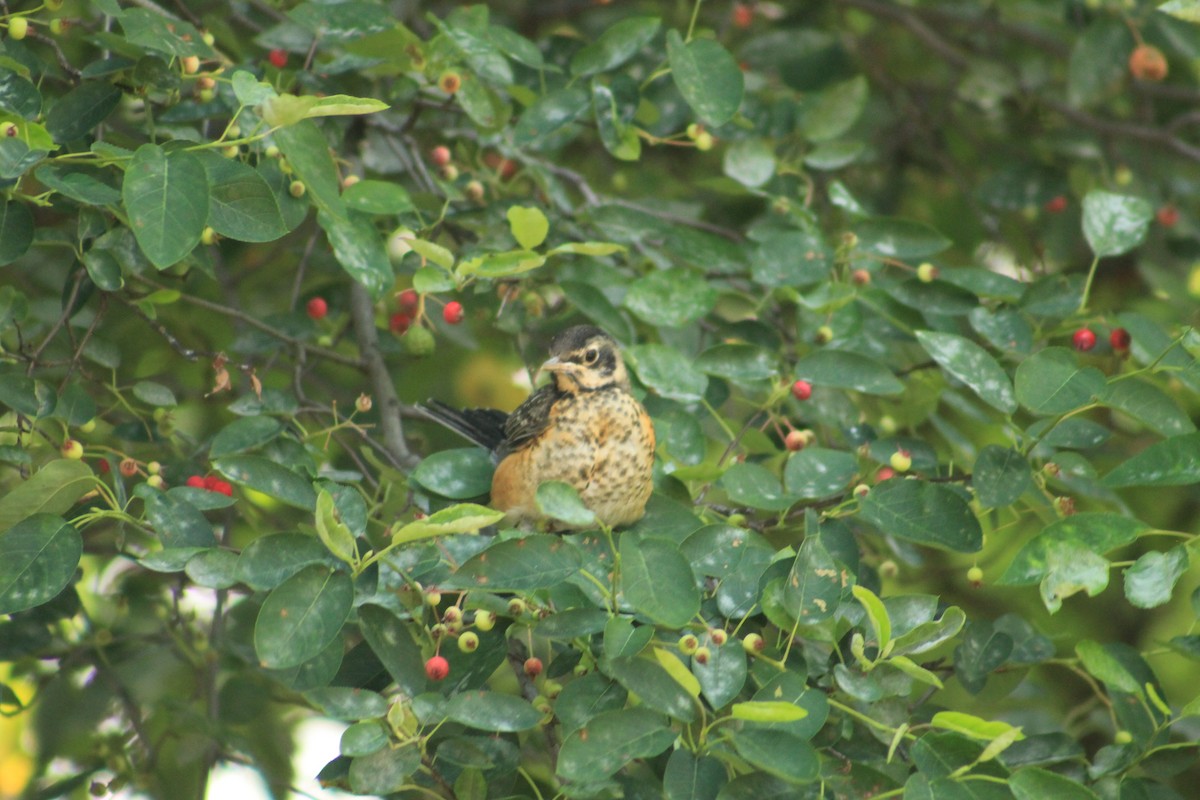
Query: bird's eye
x,y
590,356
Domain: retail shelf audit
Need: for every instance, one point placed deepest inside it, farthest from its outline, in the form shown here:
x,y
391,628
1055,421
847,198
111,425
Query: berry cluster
x,y
210,483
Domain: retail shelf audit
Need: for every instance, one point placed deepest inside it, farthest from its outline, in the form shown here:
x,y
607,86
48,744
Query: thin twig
x,y
362,313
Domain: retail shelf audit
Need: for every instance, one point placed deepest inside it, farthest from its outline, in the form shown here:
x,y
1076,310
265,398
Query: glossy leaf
x,y
707,76
1001,475
780,754
615,46
457,474
1149,582
656,687
814,584
1171,462
840,369
559,500
609,741
308,155
178,523
378,197
492,711
1052,381
657,581
52,490
16,230
925,513
529,226
166,197
899,238
750,162
241,205
816,472
667,372
1149,405
302,615
549,115
1094,531
756,486
1035,783
691,777
972,365
270,560
835,109
460,518
244,434
534,562
38,557
724,676
272,479
393,645
670,298
80,110
359,248
1114,224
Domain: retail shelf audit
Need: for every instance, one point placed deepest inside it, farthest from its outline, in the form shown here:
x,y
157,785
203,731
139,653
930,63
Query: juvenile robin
x,y
584,427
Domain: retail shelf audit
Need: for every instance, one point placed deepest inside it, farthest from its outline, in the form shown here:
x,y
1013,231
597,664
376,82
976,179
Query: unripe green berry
x,y
468,642
485,620
753,643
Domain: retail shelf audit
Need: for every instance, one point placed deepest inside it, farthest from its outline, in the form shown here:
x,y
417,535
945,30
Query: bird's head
x,y
585,359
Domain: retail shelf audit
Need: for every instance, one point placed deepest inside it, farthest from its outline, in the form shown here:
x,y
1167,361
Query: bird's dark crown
x,y
586,359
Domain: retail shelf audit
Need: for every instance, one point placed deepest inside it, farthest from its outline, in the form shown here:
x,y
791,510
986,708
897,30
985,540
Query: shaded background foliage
x,y
212,211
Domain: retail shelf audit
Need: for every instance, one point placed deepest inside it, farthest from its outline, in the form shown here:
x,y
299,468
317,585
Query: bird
x,y
584,427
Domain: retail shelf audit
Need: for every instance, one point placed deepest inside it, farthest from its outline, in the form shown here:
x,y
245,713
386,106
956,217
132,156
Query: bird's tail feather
x,y
483,426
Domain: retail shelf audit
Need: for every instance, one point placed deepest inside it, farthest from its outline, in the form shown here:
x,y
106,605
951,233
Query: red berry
x,y
450,82
533,666
278,58
1167,216
795,441
437,668
743,15
102,464
399,323
453,312
318,308
1147,63
408,300
1084,340
801,390
1056,204
440,156
1120,339
196,482
884,473
224,488
210,482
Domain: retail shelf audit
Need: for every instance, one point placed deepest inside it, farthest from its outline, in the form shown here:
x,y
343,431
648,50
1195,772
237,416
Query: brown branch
x,y
362,313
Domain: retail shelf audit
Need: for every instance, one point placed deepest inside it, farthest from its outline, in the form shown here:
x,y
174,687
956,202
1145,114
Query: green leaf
x,y
778,753
166,197
585,698
691,777
928,635
899,238
816,472
1171,462
707,76
1114,224
615,46
739,362
755,486
1104,666
332,531
53,489
378,197
302,615
19,96
457,474
80,110
724,676
177,522
1149,582
750,162
1035,783
501,265
559,500
244,434
836,108
431,251
81,183
671,298
272,479
814,584
249,90
767,711
38,557
170,36
386,771
614,113
1186,10
241,205
972,365
341,105
529,226
969,725
359,248
790,258
1001,476
666,372
533,562
345,703
1051,381
549,115
654,684
460,518
657,581
841,369
104,270
16,230
307,152
925,513
392,642
877,615
611,740
1149,405
154,394
270,560
492,711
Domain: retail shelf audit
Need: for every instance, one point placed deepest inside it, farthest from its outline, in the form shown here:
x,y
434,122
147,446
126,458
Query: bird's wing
x,y
530,418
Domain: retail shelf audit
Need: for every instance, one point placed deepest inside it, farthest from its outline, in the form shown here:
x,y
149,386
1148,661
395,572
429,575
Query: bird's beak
x,y
557,366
